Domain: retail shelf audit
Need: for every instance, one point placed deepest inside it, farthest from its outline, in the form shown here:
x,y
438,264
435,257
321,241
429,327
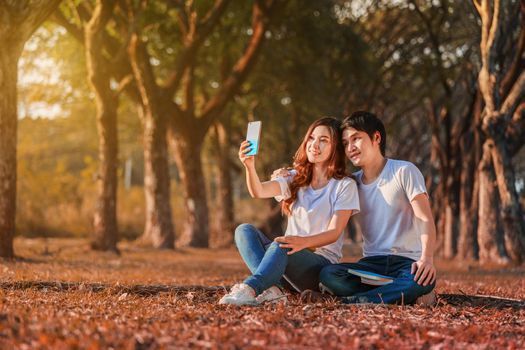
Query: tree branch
x,y
261,12
514,96
192,43
518,62
485,81
434,39
515,132
143,72
477,4
124,84
188,90
495,28
94,32
76,31
28,15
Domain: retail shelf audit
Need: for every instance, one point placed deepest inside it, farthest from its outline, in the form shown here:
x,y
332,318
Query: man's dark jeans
x,y
404,290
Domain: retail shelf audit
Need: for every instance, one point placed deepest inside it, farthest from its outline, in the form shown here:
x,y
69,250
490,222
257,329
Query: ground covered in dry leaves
x,y
61,295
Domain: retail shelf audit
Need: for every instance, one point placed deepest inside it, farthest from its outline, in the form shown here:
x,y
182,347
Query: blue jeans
x,y
269,263
404,290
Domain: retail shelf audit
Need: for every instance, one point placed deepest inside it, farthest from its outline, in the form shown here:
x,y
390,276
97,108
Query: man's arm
x,y
424,267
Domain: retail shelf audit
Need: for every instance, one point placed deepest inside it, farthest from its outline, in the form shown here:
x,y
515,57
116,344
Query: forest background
x,y
130,113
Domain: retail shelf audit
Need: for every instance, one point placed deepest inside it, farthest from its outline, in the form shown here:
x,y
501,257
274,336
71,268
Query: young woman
x,y
318,199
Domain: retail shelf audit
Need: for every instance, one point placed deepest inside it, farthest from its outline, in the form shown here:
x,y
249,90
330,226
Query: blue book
x,y
371,278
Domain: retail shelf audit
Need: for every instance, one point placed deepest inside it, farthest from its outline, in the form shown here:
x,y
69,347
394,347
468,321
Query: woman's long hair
x,y
336,164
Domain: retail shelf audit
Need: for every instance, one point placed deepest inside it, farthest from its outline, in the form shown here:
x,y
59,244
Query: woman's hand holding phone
x,y
247,161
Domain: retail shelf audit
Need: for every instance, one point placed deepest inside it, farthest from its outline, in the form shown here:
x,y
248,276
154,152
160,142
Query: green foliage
x,y
319,58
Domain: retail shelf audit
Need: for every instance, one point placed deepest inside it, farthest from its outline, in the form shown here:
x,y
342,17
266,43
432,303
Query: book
x,y
371,278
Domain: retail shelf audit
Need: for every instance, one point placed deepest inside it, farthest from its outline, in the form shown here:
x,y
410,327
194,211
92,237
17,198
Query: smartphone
x,y
253,135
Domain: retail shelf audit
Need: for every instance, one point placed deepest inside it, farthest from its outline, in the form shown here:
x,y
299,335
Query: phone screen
x,y
253,134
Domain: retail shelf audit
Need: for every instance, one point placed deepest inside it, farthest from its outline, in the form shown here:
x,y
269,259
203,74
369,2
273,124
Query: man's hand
x,y
281,172
295,243
424,270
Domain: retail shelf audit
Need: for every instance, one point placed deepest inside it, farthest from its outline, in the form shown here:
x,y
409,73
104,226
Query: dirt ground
x,y
62,295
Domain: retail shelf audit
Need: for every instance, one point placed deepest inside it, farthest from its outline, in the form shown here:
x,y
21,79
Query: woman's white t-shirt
x,y
312,211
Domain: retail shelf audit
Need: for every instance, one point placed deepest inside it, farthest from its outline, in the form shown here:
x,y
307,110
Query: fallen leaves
x,y
114,305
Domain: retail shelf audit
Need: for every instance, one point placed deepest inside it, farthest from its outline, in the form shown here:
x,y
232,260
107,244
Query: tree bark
x,y
187,153
158,228
105,219
8,139
449,243
467,245
224,203
511,213
488,228
502,87
18,20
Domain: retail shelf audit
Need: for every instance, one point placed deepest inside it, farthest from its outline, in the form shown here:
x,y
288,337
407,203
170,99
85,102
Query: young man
x,y
396,221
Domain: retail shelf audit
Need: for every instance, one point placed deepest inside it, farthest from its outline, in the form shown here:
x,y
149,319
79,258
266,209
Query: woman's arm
x,y
256,188
335,228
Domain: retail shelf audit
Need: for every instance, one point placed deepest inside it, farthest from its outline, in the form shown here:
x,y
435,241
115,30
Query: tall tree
x,y
225,213
18,20
452,118
105,220
175,104
98,37
502,86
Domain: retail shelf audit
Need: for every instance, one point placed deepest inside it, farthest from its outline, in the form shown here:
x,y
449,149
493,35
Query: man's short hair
x,y
369,123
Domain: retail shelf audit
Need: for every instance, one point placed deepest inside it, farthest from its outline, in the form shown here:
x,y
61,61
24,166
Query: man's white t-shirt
x,y
387,220
312,211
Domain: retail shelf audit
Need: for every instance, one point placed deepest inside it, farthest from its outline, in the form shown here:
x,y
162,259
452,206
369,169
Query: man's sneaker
x,y
427,299
240,294
324,289
311,296
272,295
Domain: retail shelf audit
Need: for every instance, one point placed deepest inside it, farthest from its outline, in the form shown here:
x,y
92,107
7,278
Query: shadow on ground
x,y
483,301
463,300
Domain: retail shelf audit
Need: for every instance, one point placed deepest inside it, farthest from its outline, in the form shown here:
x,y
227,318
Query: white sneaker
x,y
240,294
272,295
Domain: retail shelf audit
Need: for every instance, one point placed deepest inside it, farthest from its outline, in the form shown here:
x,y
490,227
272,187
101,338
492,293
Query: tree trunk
x,y
8,139
502,87
187,149
105,219
488,226
438,200
159,225
467,245
19,21
449,239
511,213
158,228
224,205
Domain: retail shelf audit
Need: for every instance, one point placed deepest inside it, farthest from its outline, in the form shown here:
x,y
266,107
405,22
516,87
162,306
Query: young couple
x,y
319,198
